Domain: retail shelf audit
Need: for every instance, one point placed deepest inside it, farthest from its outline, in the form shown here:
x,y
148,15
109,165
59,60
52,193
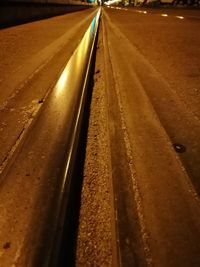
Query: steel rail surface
x,y
42,171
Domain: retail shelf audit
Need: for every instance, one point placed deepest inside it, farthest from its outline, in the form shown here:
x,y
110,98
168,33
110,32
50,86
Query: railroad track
x,y
33,212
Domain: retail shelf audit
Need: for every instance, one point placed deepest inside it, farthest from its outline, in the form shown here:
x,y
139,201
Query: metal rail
x,y
42,172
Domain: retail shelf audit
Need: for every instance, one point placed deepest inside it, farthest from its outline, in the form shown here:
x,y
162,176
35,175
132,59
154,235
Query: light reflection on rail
x,y
64,79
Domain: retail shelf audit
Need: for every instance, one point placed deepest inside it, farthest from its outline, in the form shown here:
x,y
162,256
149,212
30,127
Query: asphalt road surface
x,y
170,45
155,67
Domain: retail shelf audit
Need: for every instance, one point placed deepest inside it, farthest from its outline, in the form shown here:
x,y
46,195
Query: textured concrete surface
x,y
94,244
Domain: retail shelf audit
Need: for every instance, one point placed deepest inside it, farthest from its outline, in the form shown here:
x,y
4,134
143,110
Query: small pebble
x,y
179,148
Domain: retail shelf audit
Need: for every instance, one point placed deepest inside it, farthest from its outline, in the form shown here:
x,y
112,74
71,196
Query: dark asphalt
x,y
155,64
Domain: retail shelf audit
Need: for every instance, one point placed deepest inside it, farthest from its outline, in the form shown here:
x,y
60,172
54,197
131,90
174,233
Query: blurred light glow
x,y
110,2
79,54
164,15
179,17
62,81
143,12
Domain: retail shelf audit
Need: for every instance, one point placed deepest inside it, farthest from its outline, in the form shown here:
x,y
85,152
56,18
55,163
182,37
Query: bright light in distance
x,y
118,8
164,15
111,2
140,11
179,17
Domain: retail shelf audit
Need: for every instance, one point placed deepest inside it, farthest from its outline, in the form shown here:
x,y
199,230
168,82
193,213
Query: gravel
x,y
94,244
